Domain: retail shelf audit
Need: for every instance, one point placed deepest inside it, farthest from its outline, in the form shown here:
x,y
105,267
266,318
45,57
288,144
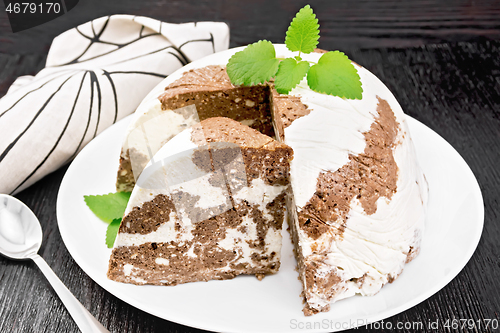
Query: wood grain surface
x,y
440,59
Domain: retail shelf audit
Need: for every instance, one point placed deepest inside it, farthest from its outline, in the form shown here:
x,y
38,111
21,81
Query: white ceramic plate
x,y
244,304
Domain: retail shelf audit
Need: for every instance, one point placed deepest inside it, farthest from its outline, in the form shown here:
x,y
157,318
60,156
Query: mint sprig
x,y
110,209
334,74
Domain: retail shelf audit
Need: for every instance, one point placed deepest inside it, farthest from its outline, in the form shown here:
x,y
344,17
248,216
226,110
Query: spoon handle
x,y
85,321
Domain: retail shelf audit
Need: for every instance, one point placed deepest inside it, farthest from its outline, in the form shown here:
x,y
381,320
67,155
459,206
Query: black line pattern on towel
x,y
12,144
41,86
139,72
100,32
181,60
115,96
137,57
143,26
96,39
58,139
184,57
88,46
92,27
86,127
211,39
91,107
94,81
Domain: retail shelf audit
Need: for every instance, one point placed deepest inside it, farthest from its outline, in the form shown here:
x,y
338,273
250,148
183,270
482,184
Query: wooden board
x,y
453,87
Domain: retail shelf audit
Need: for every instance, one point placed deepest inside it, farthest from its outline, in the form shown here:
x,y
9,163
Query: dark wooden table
x,y
441,59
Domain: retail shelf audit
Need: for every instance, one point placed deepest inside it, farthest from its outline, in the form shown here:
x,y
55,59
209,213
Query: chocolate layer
x,y
210,89
286,109
125,180
262,156
201,258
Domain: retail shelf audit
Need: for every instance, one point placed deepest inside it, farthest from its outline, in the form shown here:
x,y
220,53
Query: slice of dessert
x,y
209,205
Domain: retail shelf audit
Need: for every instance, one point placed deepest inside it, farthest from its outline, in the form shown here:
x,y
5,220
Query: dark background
x,y
441,59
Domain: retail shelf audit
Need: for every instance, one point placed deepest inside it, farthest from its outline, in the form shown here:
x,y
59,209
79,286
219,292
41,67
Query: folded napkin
x,y
96,74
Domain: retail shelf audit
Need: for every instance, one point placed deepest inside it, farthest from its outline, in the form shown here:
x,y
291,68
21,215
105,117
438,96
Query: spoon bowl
x,y
20,231
20,238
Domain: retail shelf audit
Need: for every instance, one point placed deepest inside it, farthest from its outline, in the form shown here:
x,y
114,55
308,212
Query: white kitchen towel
x,y
96,74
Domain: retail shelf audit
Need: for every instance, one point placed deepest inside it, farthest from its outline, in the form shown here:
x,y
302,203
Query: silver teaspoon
x,y
20,238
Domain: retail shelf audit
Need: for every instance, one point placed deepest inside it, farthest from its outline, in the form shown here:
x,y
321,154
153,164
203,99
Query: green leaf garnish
x,y
112,231
108,207
257,63
290,73
303,33
335,75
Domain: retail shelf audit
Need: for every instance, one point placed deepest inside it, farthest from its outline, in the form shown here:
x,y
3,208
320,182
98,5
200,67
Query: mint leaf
x,y
334,74
257,63
290,73
112,231
303,33
108,207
